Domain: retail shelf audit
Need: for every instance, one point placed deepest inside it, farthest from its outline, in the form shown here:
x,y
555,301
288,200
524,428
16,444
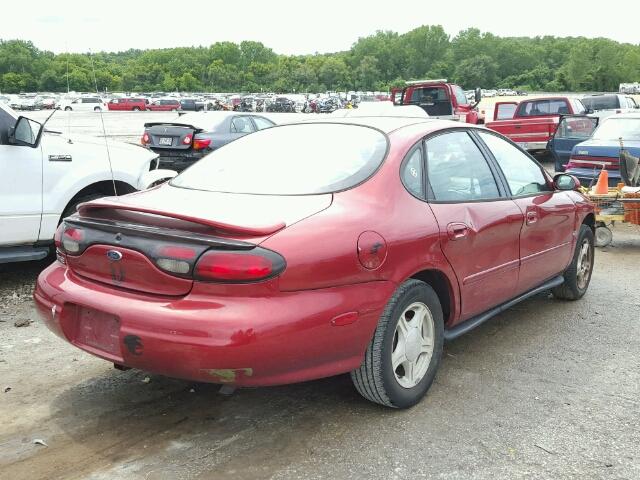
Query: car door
x,y
479,225
504,110
571,130
20,188
547,236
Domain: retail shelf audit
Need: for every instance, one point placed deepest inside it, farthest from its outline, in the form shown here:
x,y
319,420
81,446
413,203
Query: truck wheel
x,y
404,354
97,109
67,109
578,275
73,205
136,109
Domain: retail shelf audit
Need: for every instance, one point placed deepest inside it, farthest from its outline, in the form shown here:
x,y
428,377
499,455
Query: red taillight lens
x,y
71,238
254,265
201,143
187,139
145,139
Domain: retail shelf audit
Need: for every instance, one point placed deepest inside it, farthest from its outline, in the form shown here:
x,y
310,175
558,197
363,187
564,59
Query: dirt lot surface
x,y
548,389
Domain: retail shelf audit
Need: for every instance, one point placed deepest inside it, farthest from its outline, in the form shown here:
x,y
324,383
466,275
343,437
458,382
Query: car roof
x,y
391,124
624,115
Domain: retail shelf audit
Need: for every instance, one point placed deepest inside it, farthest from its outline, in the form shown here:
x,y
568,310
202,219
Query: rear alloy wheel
x,y
402,359
578,275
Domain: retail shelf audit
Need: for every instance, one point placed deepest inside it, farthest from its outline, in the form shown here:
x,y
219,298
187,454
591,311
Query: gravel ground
x,y
548,389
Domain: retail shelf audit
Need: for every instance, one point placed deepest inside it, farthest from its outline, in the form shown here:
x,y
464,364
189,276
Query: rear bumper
x,y
588,176
178,161
265,339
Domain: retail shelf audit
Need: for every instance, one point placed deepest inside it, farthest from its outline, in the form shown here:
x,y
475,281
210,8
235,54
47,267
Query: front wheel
x,y
97,109
67,109
136,109
578,276
404,354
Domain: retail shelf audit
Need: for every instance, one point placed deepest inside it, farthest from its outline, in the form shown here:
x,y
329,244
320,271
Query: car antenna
x,y
104,130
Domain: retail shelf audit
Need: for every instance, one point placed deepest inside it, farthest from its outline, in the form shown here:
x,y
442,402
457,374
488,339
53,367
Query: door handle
x,y
532,217
456,231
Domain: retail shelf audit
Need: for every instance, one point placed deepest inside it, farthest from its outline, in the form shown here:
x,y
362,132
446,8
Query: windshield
x,y
290,160
615,128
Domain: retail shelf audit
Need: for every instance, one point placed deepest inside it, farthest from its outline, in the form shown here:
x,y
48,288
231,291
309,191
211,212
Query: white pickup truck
x,y
45,175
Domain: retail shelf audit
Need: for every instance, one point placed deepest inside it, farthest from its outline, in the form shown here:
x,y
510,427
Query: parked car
x,y
68,172
532,123
164,105
315,249
603,105
182,143
601,149
82,104
506,92
128,104
439,99
195,105
489,93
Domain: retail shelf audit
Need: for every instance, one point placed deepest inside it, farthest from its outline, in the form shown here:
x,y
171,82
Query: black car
x,y
196,134
195,105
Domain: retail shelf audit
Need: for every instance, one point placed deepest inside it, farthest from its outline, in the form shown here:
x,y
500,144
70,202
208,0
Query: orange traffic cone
x,y
602,186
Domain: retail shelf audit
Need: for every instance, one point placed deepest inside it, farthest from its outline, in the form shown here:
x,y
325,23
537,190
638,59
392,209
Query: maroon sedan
x,y
309,250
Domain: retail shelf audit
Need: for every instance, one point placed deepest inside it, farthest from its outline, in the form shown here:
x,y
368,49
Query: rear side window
x,y
601,102
457,170
262,123
241,125
411,174
298,159
543,107
523,175
505,111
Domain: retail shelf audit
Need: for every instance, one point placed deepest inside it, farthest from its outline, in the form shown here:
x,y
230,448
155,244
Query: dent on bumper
x,y
285,337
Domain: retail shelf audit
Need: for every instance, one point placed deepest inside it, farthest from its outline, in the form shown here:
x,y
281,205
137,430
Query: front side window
x,y
457,171
523,175
461,98
298,159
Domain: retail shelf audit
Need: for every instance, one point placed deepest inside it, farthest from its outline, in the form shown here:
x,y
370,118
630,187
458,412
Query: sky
x,y
296,27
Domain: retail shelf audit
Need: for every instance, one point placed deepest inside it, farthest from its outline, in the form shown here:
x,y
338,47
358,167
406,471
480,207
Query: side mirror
x,y
564,181
478,95
26,132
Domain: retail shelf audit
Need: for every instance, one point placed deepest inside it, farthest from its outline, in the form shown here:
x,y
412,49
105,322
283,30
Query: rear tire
x,y
67,109
136,109
97,109
410,334
578,276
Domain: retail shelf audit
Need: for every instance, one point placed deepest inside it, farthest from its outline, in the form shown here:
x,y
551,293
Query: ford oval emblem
x,y
114,255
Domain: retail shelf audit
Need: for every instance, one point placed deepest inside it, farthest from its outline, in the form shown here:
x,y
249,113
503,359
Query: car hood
x,y
227,213
124,155
605,148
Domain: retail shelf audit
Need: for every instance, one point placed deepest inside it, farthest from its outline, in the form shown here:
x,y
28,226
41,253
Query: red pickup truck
x,y
531,123
439,99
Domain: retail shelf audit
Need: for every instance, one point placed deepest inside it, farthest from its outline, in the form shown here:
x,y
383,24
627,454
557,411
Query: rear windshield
x,y
614,128
609,102
290,160
543,107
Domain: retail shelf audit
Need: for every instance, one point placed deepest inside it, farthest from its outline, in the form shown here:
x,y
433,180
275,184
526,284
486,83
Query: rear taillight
x,y
71,239
57,237
145,139
239,267
201,143
187,139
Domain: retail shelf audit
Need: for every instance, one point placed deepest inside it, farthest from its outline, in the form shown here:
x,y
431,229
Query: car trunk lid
x,y
151,241
169,136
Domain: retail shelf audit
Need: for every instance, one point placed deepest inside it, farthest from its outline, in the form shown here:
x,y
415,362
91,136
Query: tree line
x,y
378,62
